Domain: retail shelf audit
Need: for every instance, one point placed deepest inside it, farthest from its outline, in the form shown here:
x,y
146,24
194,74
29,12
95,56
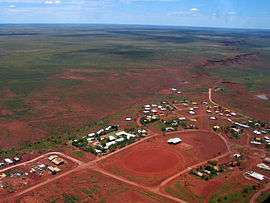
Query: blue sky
x,y
207,13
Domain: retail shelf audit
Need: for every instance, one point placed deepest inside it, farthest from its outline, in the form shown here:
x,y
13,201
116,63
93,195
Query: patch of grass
x,y
92,191
79,154
263,198
230,195
179,191
68,198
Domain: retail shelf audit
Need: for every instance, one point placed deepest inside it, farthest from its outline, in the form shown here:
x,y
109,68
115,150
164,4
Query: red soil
x,y
91,186
155,161
152,161
60,107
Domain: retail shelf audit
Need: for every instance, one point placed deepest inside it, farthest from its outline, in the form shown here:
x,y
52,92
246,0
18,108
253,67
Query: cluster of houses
x,y
262,166
173,124
55,160
218,110
38,169
108,139
9,161
157,109
212,169
208,171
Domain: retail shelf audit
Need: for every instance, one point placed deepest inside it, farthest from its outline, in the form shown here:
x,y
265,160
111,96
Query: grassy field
x,y
31,56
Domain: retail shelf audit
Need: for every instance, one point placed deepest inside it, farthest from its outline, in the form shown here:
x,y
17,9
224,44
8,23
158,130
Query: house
x,y
54,170
128,119
198,173
169,129
213,118
111,138
266,160
233,113
174,140
109,144
237,156
8,161
58,161
257,132
241,125
255,142
121,139
263,166
16,159
216,127
191,112
50,158
182,118
256,175
91,134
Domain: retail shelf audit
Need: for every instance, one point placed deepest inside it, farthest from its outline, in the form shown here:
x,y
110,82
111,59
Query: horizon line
x,y
134,24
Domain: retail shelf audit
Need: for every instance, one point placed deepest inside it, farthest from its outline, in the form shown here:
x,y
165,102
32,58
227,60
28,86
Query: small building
x,y
169,129
263,166
266,160
182,118
256,175
128,119
174,140
198,173
111,138
121,139
50,158
216,127
213,118
8,161
54,170
2,164
255,143
257,132
237,156
16,159
58,161
191,112
241,125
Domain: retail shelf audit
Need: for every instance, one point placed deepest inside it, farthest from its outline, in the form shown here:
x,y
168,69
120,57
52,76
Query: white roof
x,y
182,118
242,125
256,175
111,138
257,132
91,134
254,142
128,119
128,135
263,166
121,139
174,140
8,160
191,112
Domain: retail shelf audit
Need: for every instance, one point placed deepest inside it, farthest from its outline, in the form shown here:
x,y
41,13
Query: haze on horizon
x,y
202,13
